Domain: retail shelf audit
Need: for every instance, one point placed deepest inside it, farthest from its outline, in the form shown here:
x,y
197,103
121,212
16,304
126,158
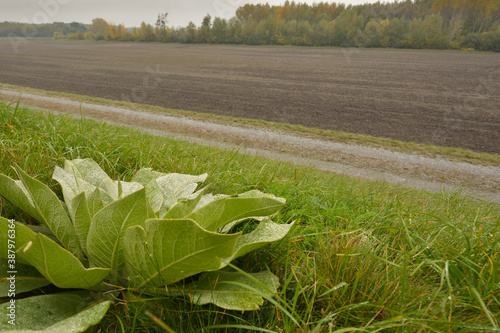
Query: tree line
x,y
17,30
419,24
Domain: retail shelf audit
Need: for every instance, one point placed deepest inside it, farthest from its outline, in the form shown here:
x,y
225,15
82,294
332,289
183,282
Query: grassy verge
x,y
366,256
457,154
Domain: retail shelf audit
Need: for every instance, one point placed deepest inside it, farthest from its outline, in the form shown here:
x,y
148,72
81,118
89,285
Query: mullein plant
x,y
149,235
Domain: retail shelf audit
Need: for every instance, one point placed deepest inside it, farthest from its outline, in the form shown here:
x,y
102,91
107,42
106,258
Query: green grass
x,y
458,154
365,256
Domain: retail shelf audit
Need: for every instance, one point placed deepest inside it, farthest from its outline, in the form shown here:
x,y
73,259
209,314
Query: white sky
x,y
128,12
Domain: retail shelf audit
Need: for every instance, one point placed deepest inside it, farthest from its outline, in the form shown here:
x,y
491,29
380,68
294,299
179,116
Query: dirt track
x,y
443,97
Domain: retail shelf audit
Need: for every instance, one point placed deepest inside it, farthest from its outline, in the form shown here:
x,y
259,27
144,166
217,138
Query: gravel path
x,y
409,170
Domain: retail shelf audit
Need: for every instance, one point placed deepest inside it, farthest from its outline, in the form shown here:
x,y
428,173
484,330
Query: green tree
x,y
220,31
99,26
191,33
236,31
372,33
427,33
267,30
304,33
393,32
205,33
77,27
245,13
249,33
329,33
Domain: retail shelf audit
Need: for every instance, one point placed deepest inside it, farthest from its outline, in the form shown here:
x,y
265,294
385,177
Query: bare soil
x,y
447,98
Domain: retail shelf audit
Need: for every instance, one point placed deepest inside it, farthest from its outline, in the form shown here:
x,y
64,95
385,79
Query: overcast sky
x,y
129,12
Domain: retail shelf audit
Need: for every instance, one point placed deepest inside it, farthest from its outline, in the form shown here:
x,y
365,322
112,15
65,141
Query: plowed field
x,y
448,98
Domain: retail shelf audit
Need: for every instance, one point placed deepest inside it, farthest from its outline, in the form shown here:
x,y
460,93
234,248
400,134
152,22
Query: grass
x,y
458,154
365,257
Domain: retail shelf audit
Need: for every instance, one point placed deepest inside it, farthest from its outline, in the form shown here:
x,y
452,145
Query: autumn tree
x,y
426,33
123,33
245,12
111,32
249,33
480,15
191,33
372,33
235,31
145,33
99,26
304,33
392,32
220,31
204,33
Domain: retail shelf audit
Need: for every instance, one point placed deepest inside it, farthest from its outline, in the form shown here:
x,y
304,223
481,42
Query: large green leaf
x,y
176,186
146,175
166,251
115,190
164,191
20,237
52,212
233,290
108,227
26,278
127,188
67,313
265,233
184,207
108,190
220,212
72,186
147,178
85,174
94,202
81,217
56,264
15,192
42,229
60,266
87,170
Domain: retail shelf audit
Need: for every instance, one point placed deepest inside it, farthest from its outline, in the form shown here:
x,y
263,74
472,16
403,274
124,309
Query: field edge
x,y
428,150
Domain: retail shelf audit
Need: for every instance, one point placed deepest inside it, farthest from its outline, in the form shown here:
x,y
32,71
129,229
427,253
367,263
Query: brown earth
x,y
448,98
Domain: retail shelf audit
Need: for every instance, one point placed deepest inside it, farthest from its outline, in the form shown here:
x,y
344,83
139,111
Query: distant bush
x,y
471,41
88,35
58,35
77,35
489,40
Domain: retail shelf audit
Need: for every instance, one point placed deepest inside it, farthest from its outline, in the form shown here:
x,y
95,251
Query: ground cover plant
x,y
151,232
365,256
